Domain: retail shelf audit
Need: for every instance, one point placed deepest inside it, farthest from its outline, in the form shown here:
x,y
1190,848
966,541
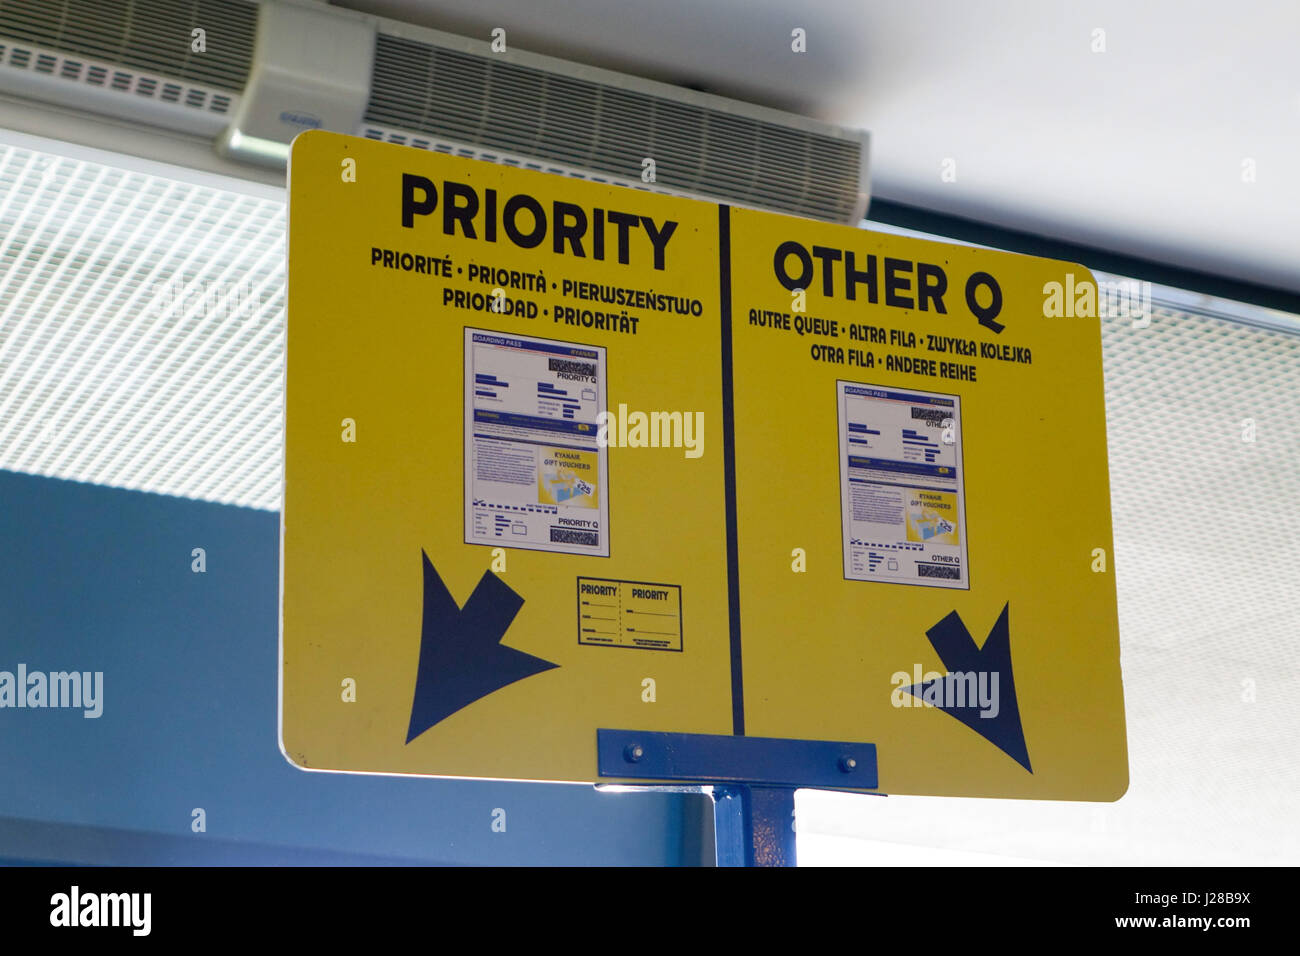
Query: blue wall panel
x,y
98,579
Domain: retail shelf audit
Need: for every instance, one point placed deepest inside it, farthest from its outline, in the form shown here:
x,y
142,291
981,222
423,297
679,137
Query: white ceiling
x,y
1138,149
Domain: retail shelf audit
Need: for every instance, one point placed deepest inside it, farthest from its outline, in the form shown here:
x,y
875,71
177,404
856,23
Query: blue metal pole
x,y
730,837
754,825
771,826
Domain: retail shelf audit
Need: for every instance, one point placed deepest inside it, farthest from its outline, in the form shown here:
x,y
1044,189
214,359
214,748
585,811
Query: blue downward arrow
x,y
461,655
953,692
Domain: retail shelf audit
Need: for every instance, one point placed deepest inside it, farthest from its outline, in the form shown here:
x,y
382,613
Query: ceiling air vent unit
x,y
270,70
131,60
446,93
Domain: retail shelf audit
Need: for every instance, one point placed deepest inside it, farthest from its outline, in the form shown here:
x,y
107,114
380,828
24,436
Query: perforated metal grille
x,y
497,105
155,36
141,330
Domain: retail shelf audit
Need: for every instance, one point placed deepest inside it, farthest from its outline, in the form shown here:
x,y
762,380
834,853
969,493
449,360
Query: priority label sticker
x,y
629,614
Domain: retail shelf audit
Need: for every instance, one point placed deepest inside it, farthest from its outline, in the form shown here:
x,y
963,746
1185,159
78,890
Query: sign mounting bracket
x,y
753,780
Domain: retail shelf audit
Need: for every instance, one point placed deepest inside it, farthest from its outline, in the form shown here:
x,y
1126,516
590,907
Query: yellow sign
x,y
456,329
940,444
563,456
